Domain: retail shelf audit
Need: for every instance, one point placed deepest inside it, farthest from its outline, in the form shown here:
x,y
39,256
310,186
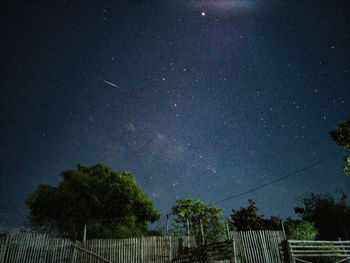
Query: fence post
x,y
167,224
234,249
180,245
74,254
202,232
233,257
170,256
188,233
284,232
141,250
167,239
228,232
84,236
287,251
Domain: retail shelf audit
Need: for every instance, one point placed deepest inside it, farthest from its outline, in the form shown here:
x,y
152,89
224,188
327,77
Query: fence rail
x,y
300,250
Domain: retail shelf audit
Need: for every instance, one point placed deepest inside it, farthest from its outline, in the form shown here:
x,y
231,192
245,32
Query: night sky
x,y
207,99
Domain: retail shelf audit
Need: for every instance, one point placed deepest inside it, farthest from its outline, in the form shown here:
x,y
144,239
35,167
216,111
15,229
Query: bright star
x,y
203,13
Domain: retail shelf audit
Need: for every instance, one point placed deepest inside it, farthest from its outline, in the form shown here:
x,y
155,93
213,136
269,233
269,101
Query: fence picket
x,y
249,246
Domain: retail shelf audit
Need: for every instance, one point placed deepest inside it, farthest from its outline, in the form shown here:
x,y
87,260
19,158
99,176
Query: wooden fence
x,y
303,251
214,252
248,247
155,249
34,248
42,248
258,246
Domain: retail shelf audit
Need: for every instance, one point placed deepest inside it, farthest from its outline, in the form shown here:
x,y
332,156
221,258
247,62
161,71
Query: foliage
x,y
158,231
247,219
300,229
194,210
108,202
331,217
341,136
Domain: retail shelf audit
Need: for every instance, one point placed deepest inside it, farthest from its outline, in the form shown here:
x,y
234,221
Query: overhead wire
x,y
281,178
21,216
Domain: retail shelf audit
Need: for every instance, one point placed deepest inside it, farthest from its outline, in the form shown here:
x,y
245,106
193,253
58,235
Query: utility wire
x,y
281,178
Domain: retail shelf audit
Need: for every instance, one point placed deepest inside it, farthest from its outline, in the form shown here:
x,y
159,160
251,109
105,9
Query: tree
x,y
248,219
331,217
108,202
341,136
300,229
194,210
158,231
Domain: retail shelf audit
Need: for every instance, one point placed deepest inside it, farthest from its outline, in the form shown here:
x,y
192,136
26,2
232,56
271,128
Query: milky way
x,y
197,105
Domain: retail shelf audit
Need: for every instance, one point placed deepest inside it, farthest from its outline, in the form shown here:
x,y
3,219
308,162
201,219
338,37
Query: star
x,y
164,94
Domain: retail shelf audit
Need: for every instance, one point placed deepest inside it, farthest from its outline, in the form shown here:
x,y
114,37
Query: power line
x,y
281,178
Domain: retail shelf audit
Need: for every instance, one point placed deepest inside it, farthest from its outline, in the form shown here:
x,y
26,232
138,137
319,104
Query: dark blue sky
x,y
196,98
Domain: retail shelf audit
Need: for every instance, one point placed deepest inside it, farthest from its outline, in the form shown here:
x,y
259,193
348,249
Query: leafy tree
x,y
158,231
108,202
331,217
194,210
248,219
341,136
300,229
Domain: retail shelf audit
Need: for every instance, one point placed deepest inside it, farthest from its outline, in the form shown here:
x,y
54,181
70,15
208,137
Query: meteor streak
x,y
110,83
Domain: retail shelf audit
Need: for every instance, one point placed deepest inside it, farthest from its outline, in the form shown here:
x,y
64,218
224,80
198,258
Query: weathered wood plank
x,y
245,246
92,253
305,249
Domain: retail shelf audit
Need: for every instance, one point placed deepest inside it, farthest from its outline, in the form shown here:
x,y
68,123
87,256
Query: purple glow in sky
x,y
223,5
208,106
